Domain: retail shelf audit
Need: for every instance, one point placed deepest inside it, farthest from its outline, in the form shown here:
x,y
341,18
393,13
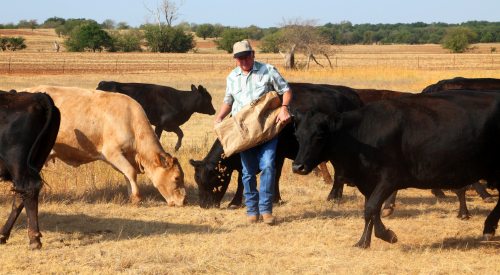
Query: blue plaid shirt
x,y
242,89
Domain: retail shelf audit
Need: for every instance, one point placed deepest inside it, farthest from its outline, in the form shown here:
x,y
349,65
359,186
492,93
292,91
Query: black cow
x,y
459,83
29,124
167,108
441,140
213,173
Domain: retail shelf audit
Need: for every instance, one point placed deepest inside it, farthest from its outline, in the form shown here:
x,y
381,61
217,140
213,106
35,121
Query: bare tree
x,y
303,36
167,10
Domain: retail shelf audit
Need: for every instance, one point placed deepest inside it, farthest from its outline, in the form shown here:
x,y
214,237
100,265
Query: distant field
x,y
88,226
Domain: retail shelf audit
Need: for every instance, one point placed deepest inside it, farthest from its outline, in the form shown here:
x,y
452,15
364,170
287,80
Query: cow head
x,y
168,177
312,132
212,181
205,100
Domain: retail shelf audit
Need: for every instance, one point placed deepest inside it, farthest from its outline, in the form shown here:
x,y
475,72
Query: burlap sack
x,y
254,124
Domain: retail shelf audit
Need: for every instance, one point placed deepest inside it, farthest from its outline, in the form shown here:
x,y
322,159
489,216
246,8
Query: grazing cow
x,y
166,107
441,140
28,128
459,83
112,127
213,173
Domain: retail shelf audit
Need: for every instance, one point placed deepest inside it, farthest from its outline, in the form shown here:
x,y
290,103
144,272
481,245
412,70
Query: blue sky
x,y
262,13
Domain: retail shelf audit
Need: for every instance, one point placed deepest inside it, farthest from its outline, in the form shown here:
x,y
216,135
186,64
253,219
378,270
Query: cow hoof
x,y
233,206
3,239
388,236
362,244
35,244
489,199
464,217
136,200
488,236
386,212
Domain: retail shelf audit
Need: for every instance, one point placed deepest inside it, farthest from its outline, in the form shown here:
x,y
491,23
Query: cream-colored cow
x,y
112,127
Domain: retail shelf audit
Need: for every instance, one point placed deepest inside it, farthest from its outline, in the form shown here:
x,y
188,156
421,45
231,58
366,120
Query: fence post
x,y
116,65
418,62
9,64
63,66
336,65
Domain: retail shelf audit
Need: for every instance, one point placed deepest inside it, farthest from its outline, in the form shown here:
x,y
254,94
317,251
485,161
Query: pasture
x,y
88,226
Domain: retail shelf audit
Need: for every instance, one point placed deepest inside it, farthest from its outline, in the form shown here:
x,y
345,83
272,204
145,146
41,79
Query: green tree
x,y
53,22
270,43
126,41
229,37
168,39
88,36
12,43
458,39
205,30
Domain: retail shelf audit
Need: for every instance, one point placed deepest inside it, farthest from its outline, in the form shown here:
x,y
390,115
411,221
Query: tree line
x,y
87,34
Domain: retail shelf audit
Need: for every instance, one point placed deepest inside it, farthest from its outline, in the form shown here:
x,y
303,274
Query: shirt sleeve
x,y
279,83
228,97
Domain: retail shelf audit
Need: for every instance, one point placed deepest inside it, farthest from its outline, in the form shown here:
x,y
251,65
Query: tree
x,y
108,24
27,24
205,30
167,10
53,22
122,26
458,39
168,39
303,36
126,41
270,43
229,37
88,36
12,43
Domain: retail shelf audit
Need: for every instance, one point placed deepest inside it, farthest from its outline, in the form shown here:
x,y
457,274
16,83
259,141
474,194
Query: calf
x,y
167,108
28,128
441,140
112,127
213,173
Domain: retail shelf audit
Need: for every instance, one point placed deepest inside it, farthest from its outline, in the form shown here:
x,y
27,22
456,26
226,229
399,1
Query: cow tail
x,y
46,138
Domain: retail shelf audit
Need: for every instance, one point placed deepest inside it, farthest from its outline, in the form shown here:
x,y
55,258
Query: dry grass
x,y
89,227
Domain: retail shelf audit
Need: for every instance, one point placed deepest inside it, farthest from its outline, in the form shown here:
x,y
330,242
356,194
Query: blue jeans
x,y
254,159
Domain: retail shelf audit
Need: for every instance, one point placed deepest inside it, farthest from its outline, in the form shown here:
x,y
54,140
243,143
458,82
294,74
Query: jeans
x,y
261,158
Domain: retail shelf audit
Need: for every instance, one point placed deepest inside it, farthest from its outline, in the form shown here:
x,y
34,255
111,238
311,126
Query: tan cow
x,y
112,127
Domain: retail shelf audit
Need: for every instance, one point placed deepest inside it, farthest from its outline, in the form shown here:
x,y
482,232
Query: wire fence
x,y
137,63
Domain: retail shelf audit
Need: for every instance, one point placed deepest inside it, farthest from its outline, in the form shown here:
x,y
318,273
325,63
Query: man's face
x,y
246,62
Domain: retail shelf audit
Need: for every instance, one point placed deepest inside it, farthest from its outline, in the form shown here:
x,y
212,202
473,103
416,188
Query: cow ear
x,y
193,88
195,163
201,89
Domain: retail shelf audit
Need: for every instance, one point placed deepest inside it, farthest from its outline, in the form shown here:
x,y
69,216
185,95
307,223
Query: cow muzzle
x,y
300,169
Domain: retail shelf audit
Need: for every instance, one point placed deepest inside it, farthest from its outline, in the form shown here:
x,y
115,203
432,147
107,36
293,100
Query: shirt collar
x,y
256,66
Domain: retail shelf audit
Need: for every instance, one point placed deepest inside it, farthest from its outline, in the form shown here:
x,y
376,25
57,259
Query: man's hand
x,y
284,115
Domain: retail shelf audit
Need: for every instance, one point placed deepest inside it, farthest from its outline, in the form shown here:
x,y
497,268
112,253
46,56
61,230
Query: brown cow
x,y
114,128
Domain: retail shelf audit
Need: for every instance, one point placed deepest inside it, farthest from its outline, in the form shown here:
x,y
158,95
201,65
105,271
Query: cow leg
x,y
481,191
463,212
120,163
279,167
372,217
237,200
389,205
180,135
17,207
31,204
337,189
438,193
491,222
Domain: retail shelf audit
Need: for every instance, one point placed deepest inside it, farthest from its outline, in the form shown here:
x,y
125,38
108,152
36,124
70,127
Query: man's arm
x,y
224,110
284,115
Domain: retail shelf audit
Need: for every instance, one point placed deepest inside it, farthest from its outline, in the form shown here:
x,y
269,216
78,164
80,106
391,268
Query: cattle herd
x,y
447,137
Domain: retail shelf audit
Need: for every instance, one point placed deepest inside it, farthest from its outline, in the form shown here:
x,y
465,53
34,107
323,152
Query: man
x,y
247,82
